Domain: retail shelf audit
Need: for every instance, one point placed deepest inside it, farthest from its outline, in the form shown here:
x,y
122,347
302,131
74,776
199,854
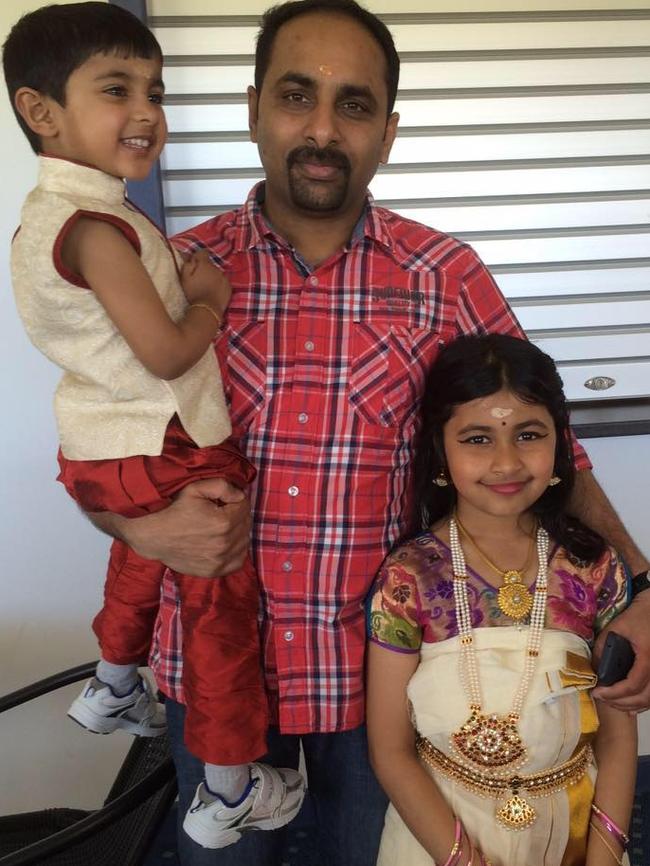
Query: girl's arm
x,y
99,252
615,748
391,740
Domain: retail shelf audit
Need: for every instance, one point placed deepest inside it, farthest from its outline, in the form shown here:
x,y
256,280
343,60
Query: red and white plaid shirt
x,y
323,369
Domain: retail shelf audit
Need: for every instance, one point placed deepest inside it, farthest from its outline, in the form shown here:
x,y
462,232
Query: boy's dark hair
x,y
477,366
276,16
46,46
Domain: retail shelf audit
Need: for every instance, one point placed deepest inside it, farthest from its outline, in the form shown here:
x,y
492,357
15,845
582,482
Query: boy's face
x,y
113,117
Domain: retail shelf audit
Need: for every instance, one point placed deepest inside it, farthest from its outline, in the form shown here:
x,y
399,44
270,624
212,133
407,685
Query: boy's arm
x,y
615,748
391,741
99,252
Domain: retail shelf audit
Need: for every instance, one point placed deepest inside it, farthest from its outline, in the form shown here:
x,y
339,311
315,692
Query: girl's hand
x,y
204,283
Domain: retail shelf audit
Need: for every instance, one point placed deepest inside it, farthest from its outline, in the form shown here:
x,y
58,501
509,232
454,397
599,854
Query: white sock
x,y
229,782
121,678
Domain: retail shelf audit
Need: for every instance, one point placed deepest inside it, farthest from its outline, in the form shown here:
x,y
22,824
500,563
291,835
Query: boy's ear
x,y
36,110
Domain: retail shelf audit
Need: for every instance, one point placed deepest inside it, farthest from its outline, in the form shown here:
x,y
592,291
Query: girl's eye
x,y
531,435
478,439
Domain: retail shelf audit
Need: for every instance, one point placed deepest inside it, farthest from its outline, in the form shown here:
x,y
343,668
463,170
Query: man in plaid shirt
x,y
338,309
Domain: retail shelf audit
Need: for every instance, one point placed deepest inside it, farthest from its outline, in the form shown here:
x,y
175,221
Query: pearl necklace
x,y
493,741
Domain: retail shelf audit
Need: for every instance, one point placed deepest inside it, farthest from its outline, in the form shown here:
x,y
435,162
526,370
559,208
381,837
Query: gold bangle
x,y
617,859
209,309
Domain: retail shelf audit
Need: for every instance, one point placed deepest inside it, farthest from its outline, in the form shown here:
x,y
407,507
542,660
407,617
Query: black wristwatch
x,y
640,582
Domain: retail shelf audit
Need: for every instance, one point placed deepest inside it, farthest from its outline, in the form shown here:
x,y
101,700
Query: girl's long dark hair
x,y
477,366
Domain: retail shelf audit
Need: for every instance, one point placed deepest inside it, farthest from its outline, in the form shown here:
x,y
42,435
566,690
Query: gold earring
x,y
555,479
441,479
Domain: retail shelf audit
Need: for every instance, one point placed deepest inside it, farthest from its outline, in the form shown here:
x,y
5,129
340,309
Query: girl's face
x,y
500,454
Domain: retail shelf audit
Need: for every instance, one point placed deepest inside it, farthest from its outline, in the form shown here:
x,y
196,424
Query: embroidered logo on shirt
x,y
404,296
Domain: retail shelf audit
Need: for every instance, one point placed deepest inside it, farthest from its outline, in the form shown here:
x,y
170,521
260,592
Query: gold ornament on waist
x,y
515,813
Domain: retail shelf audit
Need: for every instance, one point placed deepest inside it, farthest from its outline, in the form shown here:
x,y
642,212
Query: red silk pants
x,y
223,684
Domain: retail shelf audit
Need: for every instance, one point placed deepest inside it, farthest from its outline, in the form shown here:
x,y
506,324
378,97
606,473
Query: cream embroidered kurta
x,y
108,405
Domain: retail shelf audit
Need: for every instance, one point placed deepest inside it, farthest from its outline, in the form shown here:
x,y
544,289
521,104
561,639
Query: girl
x,y
482,729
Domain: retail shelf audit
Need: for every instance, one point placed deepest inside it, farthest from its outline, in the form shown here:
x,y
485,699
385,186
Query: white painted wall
x,y
52,561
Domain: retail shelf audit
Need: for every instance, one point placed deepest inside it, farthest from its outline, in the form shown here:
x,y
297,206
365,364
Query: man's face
x,y
320,120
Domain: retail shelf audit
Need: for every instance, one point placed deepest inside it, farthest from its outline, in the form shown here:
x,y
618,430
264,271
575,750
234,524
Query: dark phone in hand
x,y
616,660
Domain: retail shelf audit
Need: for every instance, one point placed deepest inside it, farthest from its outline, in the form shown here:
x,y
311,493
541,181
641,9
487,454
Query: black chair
x,y
119,833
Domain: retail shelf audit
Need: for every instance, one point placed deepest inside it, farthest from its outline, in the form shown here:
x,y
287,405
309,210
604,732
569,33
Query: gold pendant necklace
x,y
492,742
514,599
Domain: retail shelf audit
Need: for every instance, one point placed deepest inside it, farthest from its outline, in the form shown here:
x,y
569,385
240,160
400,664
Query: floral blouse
x,y
413,597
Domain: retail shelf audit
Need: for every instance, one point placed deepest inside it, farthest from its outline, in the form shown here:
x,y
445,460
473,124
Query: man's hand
x,y
633,693
204,532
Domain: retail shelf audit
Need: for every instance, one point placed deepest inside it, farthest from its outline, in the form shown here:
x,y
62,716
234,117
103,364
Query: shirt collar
x,y
257,232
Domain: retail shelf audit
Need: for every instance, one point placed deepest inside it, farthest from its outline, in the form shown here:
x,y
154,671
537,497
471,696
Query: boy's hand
x,y
204,283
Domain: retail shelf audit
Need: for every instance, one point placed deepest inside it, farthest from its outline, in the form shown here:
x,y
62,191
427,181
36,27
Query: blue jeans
x,y
345,799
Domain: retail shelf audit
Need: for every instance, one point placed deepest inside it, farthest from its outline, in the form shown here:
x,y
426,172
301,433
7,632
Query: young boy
x,y
140,407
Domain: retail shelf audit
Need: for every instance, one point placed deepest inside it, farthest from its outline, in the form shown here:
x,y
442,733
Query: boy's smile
x,y
113,117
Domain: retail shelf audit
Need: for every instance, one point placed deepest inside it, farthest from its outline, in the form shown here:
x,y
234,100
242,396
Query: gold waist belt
x,y
516,814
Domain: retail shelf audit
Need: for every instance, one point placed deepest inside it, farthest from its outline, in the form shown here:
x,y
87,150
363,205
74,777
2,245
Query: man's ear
x,y
389,136
252,112
36,110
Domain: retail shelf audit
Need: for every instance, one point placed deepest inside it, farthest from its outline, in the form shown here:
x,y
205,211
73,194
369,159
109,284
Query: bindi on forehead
x,y
326,70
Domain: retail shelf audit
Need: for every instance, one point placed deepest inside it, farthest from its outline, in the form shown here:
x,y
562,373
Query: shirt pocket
x,y
388,368
242,352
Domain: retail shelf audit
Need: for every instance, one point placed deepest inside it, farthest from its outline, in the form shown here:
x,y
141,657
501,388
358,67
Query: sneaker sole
x,y
107,724
203,833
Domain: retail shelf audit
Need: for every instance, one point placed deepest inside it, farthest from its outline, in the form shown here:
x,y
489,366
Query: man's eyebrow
x,y
298,78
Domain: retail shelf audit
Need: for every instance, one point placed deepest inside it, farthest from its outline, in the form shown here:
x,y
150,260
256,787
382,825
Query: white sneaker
x,y
101,711
275,798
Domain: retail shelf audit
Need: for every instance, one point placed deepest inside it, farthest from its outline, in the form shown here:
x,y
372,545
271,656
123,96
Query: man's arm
x,y
590,504
195,535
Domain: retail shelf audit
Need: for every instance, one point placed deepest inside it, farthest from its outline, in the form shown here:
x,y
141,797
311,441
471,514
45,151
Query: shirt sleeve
x,y
614,589
482,309
392,609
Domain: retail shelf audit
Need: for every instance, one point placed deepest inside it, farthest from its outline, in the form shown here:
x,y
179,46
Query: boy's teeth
x,y
136,142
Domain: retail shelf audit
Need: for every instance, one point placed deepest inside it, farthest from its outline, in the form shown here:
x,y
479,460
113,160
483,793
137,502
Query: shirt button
x,y
288,636
286,566
309,346
293,490
303,417
313,281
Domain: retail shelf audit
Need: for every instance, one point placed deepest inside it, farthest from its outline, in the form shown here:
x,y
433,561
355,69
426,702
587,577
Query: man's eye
x,y
294,97
354,107
158,98
115,90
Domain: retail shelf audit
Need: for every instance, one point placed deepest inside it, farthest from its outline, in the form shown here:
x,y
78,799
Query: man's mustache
x,y
321,156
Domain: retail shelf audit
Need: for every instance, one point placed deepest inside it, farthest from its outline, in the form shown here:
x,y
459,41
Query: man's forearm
x,y
590,504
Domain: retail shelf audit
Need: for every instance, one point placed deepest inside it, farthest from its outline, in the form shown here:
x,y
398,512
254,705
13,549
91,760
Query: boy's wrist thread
x,y
210,310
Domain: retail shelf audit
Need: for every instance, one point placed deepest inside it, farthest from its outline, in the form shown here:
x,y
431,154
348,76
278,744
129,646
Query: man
x,y
338,308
